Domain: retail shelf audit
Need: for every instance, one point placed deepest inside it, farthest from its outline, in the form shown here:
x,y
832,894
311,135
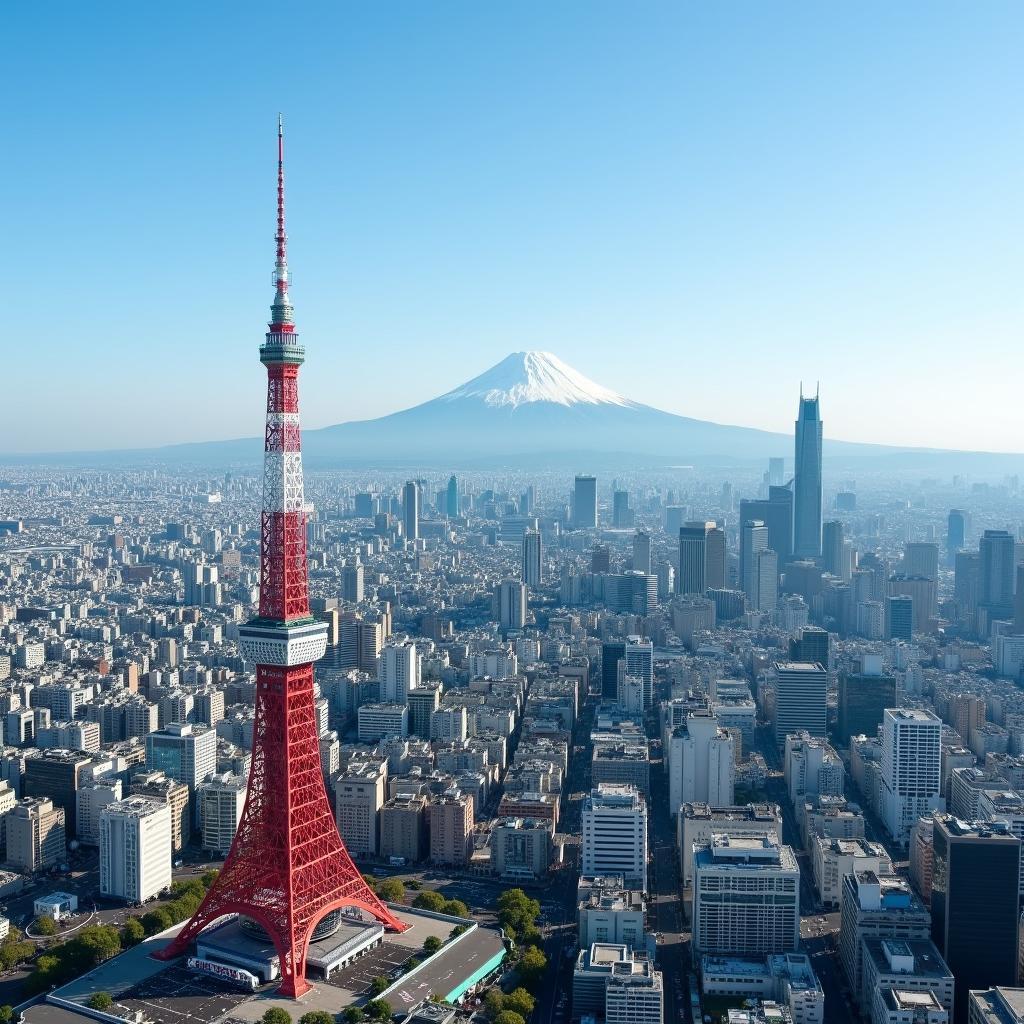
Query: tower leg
x,y
287,867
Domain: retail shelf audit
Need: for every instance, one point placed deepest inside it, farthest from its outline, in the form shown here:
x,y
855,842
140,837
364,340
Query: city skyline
x,y
860,232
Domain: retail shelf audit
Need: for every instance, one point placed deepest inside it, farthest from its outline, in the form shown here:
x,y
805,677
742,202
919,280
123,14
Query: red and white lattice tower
x,y
288,868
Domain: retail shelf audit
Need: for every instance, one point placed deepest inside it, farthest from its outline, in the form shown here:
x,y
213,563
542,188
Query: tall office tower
x,y
451,500
899,618
832,548
956,533
776,472
399,671
753,539
966,713
714,561
584,507
975,881
863,697
639,661
352,582
511,604
966,582
1018,602
411,510
800,689
921,558
600,559
527,500
693,540
997,553
135,849
532,559
911,769
288,870
221,801
614,827
612,652
807,481
765,581
701,762
777,514
746,896
622,515
642,552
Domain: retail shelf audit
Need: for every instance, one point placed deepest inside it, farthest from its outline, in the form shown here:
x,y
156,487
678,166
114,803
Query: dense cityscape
x,y
532,703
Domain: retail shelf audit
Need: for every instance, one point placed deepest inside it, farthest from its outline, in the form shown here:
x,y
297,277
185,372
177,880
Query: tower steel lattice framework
x,y
288,867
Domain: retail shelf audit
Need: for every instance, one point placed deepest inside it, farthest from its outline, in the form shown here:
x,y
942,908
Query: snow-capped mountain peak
x,y
525,377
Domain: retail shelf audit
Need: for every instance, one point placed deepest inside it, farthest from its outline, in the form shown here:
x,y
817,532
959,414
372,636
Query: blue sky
x,y
698,205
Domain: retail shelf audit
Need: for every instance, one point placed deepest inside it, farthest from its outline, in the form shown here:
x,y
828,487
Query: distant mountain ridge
x,y
532,409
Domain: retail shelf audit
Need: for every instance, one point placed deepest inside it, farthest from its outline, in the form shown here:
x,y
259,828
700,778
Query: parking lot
x,y
387,959
178,995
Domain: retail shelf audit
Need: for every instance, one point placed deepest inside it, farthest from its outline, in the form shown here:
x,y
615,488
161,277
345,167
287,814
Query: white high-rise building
x,y
911,769
753,540
633,994
221,801
399,671
532,559
746,896
614,825
639,661
135,849
511,604
701,763
642,552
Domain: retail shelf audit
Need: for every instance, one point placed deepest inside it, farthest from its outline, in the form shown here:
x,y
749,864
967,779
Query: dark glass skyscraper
x,y
807,482
612,652
452,497
975,883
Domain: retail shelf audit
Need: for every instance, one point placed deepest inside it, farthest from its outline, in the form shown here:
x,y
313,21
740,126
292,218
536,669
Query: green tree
x,y
430,899
317,1017
532,966
517,910
378,1009
275,1015
494,1002
6,1013
509,1017
209,877
95,944
455,908
531,936
413,883
391,890
520,1001
456,931
46,925
132,933
156,921
370,880
378,985
352,1015
431,944
101,1001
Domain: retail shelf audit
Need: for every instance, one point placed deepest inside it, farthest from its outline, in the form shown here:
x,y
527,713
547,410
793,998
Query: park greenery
x,y
518,1001
101,1001
276,1015
14,950
435,902
378,1009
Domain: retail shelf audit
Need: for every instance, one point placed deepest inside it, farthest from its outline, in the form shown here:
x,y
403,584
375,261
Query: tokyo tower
x,y
288,873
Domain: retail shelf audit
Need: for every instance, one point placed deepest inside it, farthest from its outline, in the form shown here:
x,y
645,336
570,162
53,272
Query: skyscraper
x,y
642,552
996,551
511,604
863,698
832,558
584,509
639,661
452,497
956,533
532,558
777,515
714,560
975,882
622,515
288,870
753,539
693,539
612,652
411,510
899,618
800,691
911,769
807,482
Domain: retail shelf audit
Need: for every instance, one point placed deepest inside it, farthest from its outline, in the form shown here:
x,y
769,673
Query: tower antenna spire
x,y
282,314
